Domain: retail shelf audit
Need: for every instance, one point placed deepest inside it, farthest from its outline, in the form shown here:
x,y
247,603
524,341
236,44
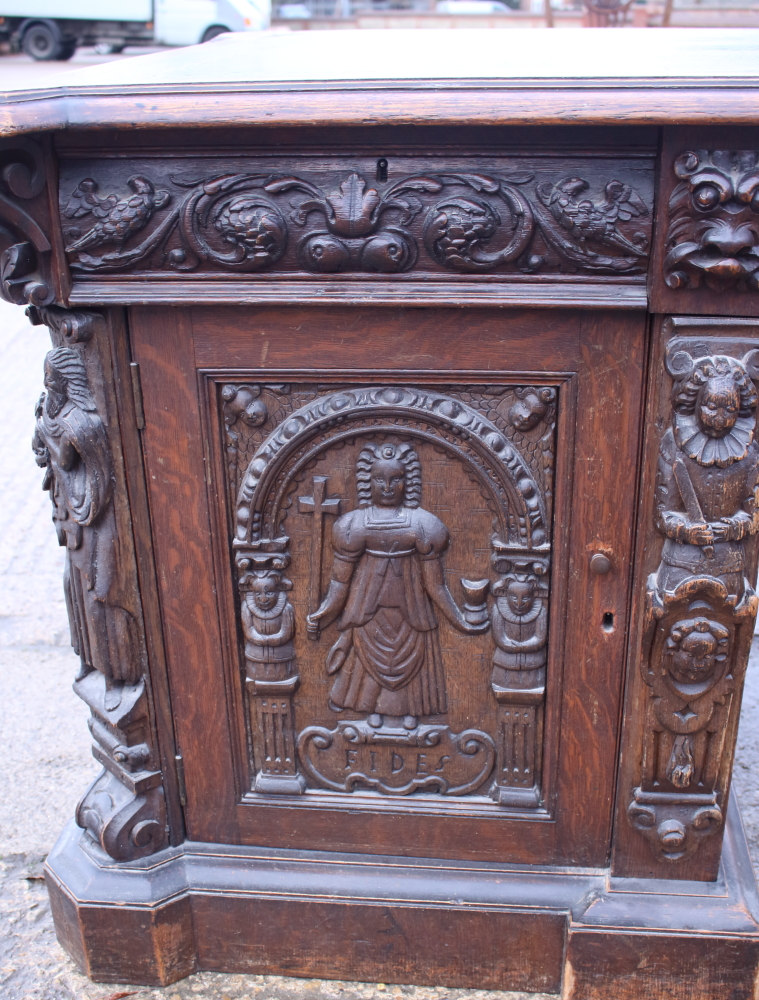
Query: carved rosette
x,y
712,230
466,222
385,550
701,607
123,812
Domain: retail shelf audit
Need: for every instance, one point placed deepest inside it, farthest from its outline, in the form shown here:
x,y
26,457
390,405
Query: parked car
x,y
53,29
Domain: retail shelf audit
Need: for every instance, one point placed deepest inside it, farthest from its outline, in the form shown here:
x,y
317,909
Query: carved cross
x,y
318,505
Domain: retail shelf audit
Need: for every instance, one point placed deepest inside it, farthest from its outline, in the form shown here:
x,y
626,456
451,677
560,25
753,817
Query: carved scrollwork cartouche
x,y
386,591
25,250
238,222
700,606
712,237
123,811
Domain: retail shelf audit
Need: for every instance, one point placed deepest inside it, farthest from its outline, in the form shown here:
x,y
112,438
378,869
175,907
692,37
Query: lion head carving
x,y
713,233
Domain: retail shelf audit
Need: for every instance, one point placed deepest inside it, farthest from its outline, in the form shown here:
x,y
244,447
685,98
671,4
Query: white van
x,y
53,29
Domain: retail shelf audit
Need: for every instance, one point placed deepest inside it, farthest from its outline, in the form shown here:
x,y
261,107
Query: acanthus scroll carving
x,y
712,238
701,607
335,491
123,812
468,222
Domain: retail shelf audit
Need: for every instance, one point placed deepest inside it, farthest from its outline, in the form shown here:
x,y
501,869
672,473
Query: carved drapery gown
x,y
70,443
388,654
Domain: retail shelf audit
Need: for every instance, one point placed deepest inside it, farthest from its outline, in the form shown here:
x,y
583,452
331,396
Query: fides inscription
x,y
411,627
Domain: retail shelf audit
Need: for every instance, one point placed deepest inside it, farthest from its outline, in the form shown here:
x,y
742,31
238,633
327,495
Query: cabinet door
x,y
393,551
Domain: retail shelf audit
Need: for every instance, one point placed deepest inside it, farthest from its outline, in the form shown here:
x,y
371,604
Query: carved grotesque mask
x,y
718,406
388,482
713,236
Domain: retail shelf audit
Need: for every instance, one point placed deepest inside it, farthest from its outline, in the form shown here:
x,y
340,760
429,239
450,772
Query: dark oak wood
x,y
401,432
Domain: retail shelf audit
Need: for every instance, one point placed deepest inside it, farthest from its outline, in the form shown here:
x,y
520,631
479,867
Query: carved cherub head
x,y
389,474
714,399
694,649
531,406
521,586
263,588
66,380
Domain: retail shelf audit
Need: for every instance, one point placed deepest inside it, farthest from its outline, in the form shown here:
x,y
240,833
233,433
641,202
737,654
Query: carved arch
x,y
333,418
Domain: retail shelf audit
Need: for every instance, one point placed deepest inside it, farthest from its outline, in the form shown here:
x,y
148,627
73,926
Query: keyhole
x,y
382,169
608,621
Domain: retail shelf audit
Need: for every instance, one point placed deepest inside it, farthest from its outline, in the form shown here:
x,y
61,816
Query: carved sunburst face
x,y
388,483
718,407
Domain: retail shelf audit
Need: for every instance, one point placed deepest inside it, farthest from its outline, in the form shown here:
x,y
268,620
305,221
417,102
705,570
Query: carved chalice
x,y
475,604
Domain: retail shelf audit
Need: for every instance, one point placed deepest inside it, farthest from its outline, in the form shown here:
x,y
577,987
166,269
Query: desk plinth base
x,y
577,933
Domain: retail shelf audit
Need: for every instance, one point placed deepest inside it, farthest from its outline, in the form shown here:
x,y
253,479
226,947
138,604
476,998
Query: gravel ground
x,y
46,762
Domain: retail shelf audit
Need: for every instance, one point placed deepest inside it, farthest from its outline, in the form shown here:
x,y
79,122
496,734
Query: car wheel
x,y
213,32
43,42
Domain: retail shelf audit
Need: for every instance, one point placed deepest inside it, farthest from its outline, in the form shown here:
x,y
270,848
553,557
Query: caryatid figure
x,y
519,620
268,623
70,443
708,475
387,581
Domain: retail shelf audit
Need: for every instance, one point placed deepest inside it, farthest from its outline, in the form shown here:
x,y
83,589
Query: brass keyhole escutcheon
x,y
600,564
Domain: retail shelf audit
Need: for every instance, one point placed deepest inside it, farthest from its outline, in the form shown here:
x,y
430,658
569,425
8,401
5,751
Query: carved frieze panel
x,y
392,550
701,606
519,216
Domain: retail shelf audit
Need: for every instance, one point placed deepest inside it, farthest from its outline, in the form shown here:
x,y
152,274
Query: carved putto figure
x,y
708,475
519,621
70,443
387,579
268,623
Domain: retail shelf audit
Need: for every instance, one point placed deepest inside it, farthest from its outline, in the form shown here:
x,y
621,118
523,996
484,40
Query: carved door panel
x,y
407,535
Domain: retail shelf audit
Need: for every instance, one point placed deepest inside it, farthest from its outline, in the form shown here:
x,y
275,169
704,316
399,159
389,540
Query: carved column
x,y
123,811
700,605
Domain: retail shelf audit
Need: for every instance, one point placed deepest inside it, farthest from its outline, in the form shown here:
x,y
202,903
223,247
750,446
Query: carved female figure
x,y
387,578
519,622
268,623
708,474
70,443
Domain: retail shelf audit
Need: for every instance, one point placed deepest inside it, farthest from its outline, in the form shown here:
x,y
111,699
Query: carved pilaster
x,y
700,607
123,811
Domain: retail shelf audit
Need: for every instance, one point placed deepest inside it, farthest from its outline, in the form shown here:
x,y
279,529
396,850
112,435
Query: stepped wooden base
x,y
578,933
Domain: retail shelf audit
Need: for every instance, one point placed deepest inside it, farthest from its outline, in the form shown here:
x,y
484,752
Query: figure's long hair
x,y
720,369
376,451
70,364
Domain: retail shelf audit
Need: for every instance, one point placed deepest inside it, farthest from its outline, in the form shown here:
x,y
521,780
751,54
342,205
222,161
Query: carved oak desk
x,y
400,427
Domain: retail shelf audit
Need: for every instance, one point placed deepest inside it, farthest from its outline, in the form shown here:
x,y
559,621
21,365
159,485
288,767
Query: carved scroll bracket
x,y
25,250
